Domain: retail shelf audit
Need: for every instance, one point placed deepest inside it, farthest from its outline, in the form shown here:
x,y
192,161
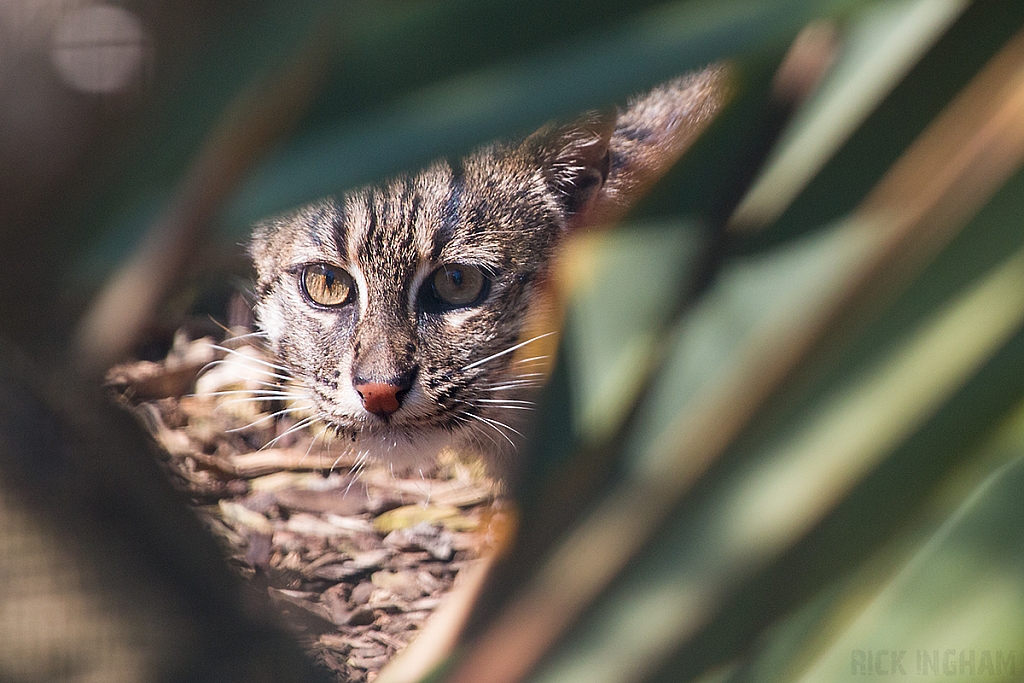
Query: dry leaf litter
x,y
355,557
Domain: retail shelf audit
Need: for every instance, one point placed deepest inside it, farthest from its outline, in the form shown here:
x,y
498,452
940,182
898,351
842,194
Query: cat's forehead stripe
x,y
329,228
416,217
408,220
390,231
373,219
421,220
357,210
449,215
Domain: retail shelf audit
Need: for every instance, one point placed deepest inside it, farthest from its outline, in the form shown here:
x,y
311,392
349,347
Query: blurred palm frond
x,y
783,440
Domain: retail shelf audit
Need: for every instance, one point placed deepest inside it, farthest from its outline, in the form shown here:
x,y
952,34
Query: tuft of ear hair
x,y
602,163
574,158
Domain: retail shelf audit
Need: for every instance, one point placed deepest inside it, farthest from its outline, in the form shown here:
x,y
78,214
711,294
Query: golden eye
x,y
326,285
458,285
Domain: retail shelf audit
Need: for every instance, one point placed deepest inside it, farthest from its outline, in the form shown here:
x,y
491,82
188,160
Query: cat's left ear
x,y
575,160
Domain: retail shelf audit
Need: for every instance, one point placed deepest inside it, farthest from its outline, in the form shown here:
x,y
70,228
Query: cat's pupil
x,y
456,277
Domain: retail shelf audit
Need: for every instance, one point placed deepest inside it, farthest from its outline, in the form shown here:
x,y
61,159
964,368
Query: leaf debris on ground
x,y
355,557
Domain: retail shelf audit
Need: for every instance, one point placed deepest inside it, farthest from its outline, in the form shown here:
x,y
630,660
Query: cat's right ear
x,y
604,163
575,161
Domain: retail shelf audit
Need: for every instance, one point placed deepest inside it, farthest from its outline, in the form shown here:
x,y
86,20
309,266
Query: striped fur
x,y
505,210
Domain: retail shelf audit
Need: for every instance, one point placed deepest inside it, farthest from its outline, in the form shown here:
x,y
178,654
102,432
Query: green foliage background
x,y
866,500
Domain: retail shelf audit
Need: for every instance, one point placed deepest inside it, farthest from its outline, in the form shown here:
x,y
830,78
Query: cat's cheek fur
x,y
338,400
455,320
273,322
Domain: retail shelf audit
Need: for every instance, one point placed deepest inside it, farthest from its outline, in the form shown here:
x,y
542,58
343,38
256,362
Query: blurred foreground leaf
x,y
808,403
777,440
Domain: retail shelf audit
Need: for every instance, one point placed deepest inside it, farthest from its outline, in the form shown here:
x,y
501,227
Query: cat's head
x,y
396,307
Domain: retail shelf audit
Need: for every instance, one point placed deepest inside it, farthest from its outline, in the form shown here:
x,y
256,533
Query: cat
x,y
399,309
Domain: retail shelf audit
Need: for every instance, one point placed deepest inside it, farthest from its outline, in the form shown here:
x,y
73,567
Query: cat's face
x,y
398,308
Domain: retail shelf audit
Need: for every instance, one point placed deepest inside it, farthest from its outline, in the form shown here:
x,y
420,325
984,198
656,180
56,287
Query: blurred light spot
x,y
99,49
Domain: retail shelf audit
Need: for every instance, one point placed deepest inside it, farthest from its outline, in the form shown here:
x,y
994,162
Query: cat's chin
x,y
402,452
409,440
406,453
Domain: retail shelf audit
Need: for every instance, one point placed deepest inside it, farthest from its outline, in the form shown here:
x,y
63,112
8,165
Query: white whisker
x,y
506,351
283,411
508,407
275,414
515,384
253,395
233,361
362,457
248,357
428,492
501,424
495,425
312,442
506,402
475,428
301,424
272,385
259,334
532,360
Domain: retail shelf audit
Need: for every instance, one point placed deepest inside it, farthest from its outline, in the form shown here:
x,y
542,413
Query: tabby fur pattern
x,y
454,374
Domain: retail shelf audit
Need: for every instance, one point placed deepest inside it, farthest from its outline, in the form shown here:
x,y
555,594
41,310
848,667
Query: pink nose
x,y
380,399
